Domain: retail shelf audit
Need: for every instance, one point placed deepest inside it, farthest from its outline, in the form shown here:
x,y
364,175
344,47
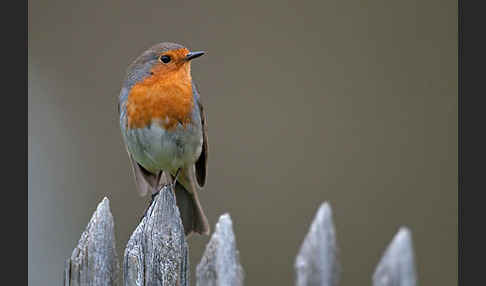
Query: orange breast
x,y
162,97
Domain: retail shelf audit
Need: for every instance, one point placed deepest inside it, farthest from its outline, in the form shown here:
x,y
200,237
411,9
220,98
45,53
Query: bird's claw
x,y
151,203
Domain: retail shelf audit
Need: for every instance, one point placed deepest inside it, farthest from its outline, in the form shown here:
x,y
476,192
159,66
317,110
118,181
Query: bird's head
x,y
159,87
162,61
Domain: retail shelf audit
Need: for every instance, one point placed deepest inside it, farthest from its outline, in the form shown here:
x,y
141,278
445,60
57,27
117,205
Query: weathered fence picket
x,y
397,265
94,260
220,264
317,261
157,253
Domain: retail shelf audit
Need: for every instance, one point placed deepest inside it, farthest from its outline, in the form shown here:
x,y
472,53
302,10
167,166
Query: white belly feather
x,y
158,149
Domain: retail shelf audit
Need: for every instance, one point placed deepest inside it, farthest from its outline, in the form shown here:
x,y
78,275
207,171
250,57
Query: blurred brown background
x,y
353,102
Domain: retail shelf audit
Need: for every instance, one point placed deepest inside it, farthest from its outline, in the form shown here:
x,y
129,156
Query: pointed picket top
x,y
317,263
397,266
157,251
220,264
94,261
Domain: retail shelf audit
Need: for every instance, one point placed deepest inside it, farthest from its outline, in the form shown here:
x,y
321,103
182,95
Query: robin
x,y
164,129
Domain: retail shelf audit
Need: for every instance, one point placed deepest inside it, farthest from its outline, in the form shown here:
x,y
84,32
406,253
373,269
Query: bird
x,y
164,129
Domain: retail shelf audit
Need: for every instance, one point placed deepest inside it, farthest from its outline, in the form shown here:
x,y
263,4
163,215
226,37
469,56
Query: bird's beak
x,y
193,55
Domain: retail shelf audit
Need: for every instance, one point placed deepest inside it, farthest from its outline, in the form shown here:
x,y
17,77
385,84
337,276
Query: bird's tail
x,y
192,214
190,210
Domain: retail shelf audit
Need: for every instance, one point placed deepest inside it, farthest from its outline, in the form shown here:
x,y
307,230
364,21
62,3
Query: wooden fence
x,y
157,253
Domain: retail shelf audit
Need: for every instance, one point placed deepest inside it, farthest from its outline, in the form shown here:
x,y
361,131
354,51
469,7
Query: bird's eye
x,y
165,59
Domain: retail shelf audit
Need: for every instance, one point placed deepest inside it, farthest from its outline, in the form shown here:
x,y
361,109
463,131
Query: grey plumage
x,y
153,149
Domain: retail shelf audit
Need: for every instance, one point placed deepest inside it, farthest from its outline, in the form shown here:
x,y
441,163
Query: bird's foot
x,y
174,180
151,203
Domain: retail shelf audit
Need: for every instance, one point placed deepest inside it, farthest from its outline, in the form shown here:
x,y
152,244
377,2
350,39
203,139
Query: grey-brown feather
x,y
202,163
144,180
191,212
193,176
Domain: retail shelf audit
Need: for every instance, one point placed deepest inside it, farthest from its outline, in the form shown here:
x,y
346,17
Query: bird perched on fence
x,y
164,128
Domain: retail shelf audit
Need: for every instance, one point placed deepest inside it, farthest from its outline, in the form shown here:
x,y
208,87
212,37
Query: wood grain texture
x,y
94,260
157,252
317,263
220,264
397,266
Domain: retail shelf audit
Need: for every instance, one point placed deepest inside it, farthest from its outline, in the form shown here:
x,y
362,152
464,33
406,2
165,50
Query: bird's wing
x,y
145,180
201,165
